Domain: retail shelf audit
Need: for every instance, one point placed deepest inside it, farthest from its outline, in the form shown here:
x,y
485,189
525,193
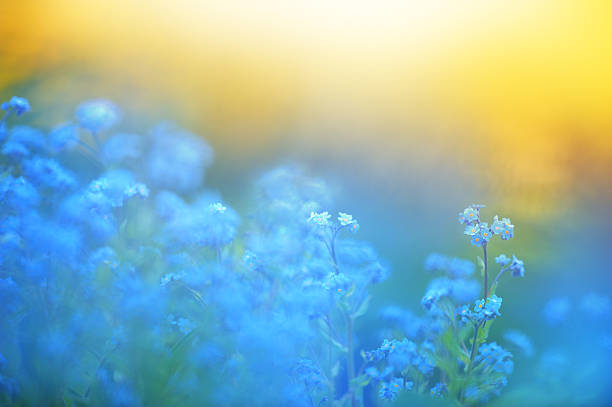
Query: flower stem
x,y
501,272
474,346
350,363
486,274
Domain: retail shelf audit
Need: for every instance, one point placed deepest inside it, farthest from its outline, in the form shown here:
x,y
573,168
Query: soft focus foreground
x,y
125,282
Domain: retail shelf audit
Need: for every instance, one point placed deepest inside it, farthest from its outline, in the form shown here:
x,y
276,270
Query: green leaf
x,y
452,345
482,265
360,381
483,333
363,307
324,329
336,369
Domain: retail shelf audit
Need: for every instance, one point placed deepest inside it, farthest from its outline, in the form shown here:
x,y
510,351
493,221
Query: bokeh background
x,y
410,109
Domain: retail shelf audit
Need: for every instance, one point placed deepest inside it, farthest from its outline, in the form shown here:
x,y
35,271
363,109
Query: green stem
x,y
350,363
486,273
474,347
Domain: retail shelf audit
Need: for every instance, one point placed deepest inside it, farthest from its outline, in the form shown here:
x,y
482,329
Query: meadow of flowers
x,y
124,281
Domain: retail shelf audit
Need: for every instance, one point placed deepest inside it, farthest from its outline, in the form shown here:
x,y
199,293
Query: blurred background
x,y
410,109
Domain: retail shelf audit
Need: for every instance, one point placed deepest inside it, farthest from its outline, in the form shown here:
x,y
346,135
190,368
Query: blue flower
x,y
48,173
485,232
389,390
121,148
17,104
477,240
495,357
170,277
15,150
97,115
485,310
177,159
470,215
18,194
185,325
63,137
455,267
137,189
472,229
520,340
30,137
438,390
217,207
251,260
503,228
308,373
433,295
517,267
169,205
502,260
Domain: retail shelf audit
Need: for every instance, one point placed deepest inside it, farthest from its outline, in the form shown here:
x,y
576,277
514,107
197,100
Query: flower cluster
x,y
135,284
454,360
480,232
483,310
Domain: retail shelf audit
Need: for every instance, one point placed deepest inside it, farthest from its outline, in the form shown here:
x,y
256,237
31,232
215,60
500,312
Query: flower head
x,y
517,267
483,310
470,215
17,104
502,260
320,219
388,390
520,340
217,207
345,219
503,228
97,115
438,390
